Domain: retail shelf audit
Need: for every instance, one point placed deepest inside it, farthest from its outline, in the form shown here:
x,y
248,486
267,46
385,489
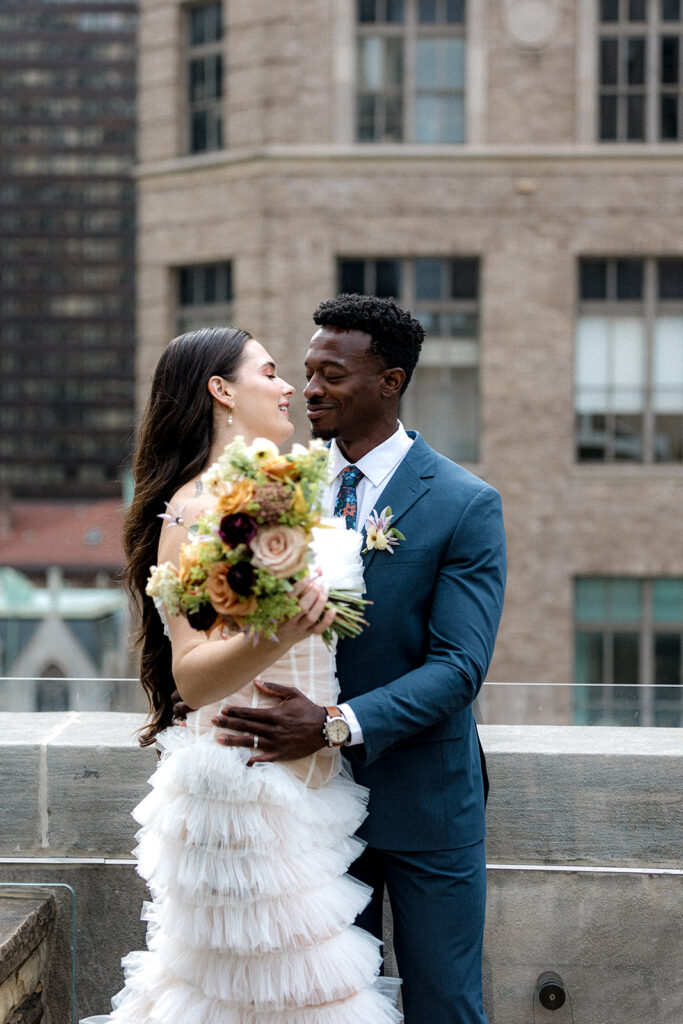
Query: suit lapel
x,y
408,484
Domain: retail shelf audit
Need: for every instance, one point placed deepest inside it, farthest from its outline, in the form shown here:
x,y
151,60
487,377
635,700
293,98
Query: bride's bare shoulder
x,y
193,499
184,509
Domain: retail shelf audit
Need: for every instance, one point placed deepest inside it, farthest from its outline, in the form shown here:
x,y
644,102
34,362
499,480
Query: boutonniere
x,y
379,533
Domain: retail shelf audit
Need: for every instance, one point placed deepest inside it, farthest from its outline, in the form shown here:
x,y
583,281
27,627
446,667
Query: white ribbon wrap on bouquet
x,y
336,552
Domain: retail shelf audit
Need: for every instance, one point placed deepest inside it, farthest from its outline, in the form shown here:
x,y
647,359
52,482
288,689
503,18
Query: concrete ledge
x,y
575,795
585,837
26,924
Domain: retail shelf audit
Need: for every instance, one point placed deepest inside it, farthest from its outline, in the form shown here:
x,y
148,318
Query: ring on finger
x,y
255,743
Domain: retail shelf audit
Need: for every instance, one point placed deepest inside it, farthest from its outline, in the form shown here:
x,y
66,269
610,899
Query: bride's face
x,y
261,398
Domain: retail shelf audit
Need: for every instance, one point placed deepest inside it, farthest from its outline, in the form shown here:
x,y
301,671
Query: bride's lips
x,y
284,408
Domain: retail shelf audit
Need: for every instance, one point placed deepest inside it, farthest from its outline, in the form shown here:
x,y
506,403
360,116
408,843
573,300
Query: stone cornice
x,y
566,158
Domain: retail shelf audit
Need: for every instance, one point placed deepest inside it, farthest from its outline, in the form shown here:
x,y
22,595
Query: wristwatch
x,y
336,729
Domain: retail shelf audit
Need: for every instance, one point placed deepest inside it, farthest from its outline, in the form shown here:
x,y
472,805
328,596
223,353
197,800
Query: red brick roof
x,y
67,534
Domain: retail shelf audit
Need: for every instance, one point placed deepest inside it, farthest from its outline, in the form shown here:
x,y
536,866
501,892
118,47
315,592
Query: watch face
x,y
337,730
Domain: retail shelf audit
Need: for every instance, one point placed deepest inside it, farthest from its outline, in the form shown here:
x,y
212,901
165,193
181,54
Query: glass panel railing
x,y
623,704
499,703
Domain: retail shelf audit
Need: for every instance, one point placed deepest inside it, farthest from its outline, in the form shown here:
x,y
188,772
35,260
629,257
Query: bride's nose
x,y
287,389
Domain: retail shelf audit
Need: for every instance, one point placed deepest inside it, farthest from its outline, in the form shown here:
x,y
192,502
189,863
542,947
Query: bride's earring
x,y
230,418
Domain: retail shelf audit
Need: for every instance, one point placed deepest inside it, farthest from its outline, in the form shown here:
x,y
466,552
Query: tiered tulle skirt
x,y
252,910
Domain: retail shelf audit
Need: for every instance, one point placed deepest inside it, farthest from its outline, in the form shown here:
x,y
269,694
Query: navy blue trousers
x,y
438,901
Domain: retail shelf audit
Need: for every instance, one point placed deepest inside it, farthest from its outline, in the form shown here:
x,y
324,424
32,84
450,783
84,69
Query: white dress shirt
x,y
377,467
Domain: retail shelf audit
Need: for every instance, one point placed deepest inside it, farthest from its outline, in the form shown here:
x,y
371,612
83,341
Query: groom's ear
x,y
391,383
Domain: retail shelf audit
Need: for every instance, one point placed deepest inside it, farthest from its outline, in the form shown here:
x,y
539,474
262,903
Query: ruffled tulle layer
x,y
251,919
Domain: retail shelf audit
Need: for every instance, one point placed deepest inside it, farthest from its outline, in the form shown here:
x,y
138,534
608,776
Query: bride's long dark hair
x,y
173,446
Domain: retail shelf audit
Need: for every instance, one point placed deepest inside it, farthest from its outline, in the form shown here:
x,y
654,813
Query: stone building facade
x,y
513,174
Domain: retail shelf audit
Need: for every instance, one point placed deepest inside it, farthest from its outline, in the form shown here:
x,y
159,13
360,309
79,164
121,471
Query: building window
x,y
629,360
205,76
628,651
640,73
443,294
204,296
411,71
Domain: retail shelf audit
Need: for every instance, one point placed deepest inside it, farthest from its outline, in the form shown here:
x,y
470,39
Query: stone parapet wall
x,y
26,926
584,849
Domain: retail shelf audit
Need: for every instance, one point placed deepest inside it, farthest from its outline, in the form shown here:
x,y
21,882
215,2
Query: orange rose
x,y
223,597
240,495
280,468
187,563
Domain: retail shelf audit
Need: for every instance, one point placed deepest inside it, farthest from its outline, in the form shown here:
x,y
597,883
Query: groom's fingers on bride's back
x,y
180,709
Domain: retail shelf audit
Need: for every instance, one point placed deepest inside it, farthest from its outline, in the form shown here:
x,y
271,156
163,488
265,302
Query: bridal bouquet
x,y
244,555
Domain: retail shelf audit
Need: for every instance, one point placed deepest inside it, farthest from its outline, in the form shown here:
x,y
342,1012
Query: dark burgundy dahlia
x,y
237,528
241,578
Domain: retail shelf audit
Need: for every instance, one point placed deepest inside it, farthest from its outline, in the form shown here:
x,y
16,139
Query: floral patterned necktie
x,y
347,500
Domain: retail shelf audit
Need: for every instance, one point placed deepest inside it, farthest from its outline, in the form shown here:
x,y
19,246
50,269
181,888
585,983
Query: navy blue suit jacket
x,y
411,677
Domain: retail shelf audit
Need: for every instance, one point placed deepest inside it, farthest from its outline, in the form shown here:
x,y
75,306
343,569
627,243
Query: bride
x,y
251,914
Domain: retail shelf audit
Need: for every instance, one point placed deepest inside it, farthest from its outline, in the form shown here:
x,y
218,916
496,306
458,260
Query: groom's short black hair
x,y
396,336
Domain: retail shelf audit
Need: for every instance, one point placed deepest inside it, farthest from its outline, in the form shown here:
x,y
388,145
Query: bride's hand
x,y
312,618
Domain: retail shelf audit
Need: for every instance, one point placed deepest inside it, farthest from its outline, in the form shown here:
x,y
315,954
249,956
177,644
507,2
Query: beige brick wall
x,y
528,205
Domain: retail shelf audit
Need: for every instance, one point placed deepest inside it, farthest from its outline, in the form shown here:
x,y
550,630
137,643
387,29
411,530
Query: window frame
x,y
191,315
205,52
653,29
646,629
457,353
649,308
409,31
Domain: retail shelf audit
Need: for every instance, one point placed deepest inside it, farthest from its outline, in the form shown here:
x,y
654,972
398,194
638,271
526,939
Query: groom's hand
x,y
291,730
180,709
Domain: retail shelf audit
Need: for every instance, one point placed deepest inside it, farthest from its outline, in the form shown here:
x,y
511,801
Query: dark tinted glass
x,y
365,126
670,274
227,282
635,117
629,279
671,10
593,279
428,279
636,61
185,287
352,276
388,279
367,10
608,117
668,128
426,11
669,62
464,279
455,11
609,10
209,284
394,11
199,133
636,10
608,61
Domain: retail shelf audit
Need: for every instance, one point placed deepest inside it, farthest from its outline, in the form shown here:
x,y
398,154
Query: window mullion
x,y
651,76
409,74
646,667
649,314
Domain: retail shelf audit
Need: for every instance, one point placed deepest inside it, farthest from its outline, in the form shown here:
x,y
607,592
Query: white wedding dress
x,y
251,919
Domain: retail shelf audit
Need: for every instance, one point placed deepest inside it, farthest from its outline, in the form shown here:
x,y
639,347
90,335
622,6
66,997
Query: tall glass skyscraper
x,y
67,222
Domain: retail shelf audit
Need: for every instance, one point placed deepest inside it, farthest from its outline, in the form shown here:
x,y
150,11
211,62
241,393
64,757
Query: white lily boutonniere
x,y
379,533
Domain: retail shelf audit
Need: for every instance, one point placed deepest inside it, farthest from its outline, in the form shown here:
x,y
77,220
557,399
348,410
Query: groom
x,y
408,682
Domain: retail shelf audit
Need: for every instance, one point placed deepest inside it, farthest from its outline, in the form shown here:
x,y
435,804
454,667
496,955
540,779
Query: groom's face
x,y
344,378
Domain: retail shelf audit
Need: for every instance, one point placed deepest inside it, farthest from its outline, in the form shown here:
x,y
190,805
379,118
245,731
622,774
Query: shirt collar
x,y
379,462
